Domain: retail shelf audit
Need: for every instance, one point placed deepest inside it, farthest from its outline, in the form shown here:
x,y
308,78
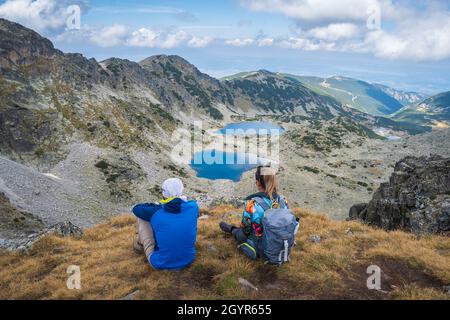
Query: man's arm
x,y
146,211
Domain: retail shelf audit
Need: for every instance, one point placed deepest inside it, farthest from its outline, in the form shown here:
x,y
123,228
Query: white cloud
x,y
321,10
143,37
172,40
407,31
412,33
40,15
306,44
148,9
199,42
335,31
121,35
422,39
240,42
110,36
50,16
204,27
265,42
151,38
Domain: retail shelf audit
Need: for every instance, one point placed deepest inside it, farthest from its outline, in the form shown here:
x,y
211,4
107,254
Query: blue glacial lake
x,y
215,164
219,167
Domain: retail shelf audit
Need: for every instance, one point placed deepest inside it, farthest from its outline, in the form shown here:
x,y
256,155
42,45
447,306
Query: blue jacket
x,y
174,227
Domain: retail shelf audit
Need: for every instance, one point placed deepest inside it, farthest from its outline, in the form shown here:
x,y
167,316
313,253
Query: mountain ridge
x,y
433,111
103,132
354,93
62,88
390,100
404,97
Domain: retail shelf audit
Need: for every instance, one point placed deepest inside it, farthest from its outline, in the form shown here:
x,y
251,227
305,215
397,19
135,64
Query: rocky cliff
x,y
416,198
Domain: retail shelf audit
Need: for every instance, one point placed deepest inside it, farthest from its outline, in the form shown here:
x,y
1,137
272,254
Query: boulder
x,y
247,285
416,198
358,211
233,201
131,296
315,239
212,249
63,229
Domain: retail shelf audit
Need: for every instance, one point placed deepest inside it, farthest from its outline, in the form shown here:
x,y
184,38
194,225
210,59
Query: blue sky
x,y
404,44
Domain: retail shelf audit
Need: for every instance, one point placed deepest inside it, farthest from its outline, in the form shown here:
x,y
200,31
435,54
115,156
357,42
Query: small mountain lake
x,y
386,133
217,164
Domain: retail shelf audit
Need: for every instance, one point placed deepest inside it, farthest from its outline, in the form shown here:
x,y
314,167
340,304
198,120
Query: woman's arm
x,y
247,217
246,222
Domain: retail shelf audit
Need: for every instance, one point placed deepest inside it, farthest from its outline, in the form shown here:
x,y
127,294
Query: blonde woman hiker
x,y
166,231
268,227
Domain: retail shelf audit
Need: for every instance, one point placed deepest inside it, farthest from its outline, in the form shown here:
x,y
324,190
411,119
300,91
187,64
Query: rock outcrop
x,y
19,229
14,53
63,229
16,224
416,198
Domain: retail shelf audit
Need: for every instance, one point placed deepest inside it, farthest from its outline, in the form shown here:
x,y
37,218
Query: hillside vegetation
x,y
334,268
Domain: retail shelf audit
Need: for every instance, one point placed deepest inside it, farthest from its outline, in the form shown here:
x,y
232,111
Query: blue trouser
x,y
239,235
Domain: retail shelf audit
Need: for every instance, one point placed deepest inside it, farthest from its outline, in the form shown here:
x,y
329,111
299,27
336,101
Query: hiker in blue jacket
x,y
166,231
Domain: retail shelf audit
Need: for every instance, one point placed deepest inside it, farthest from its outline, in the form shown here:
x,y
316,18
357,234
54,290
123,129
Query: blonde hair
x,y
267,178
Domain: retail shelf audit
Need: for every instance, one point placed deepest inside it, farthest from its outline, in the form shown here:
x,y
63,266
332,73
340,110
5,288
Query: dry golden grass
x,y
334,269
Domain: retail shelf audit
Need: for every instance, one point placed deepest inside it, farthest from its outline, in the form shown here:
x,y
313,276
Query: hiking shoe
x,y
137,246
228,228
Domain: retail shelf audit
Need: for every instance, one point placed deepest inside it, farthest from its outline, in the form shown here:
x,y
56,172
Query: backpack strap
x,y
282,202
262,203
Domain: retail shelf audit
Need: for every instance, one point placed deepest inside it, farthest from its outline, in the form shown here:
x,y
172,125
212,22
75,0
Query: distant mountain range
x,y
354,93
276,94
374,99
404,97
411,108
434,111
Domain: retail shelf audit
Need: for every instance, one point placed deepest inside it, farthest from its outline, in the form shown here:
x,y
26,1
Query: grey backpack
x,y
279,229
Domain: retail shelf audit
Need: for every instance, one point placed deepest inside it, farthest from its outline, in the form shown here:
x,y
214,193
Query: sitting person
x,y
250,233
166,231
